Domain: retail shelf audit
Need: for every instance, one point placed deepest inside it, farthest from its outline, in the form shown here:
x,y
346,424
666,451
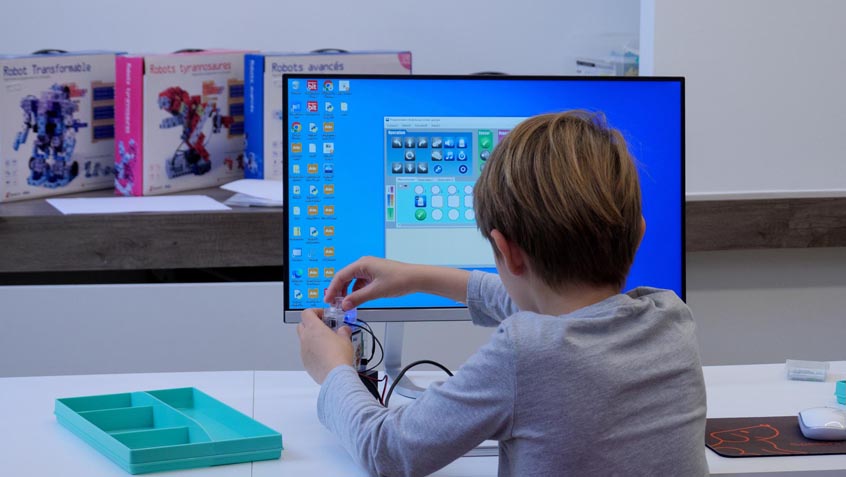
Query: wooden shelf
x,y
765,223
34,237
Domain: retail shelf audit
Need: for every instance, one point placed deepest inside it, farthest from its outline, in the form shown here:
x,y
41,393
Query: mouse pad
x,y
763,437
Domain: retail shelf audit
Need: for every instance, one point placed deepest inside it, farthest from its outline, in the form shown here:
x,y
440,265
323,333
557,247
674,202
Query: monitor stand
x,y
393,360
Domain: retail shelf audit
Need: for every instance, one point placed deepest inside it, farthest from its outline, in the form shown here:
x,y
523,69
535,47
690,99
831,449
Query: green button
x,y
420,214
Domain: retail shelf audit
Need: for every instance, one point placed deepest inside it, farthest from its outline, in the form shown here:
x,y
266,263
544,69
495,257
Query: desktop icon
x,y
313,293
311,85
311,106
328,272
314,272
329,230
328,107
298,294
328,86
297,252
312,189
312,232
295,190
329,127
312,128
344,86
296,107
312,168
296,127
298,273
328,148
295,85
313,210
312,148
328,168
344,106
296,231
295,169
328,251
296,210
296,147
328,210
328,189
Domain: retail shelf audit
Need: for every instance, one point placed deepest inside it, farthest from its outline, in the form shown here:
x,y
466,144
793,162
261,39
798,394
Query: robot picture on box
x,y
51,120
196,117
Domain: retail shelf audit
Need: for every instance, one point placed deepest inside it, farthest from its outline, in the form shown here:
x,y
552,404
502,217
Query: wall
x,y
765,105
104,329
765,115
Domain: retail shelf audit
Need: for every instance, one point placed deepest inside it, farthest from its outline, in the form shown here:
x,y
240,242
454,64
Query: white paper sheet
x,y
116,205
263,189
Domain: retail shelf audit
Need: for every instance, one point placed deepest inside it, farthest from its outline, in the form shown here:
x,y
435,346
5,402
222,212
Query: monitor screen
x,y
385,166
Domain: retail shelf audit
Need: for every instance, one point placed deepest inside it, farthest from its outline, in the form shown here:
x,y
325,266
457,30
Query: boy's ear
x,y
642,230
513,257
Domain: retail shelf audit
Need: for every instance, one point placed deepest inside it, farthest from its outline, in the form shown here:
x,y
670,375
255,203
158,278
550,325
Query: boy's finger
x,y
345,331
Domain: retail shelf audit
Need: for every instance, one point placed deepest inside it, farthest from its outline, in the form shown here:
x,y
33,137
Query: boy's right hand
x,y
372,278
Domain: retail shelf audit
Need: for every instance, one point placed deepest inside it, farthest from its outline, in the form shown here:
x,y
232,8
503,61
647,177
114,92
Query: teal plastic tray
x,y
168,429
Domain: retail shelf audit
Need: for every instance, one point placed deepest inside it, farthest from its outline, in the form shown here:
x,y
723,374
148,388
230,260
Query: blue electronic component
x,y
51,119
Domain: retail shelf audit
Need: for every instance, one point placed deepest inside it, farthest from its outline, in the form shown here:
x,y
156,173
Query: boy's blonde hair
x,y
565,189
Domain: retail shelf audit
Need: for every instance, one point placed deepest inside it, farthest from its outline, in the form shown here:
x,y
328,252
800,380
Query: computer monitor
x,y
385,166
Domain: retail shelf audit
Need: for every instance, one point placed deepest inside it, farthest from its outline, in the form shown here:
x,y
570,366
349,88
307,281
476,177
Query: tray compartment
x,y
167,436
220,421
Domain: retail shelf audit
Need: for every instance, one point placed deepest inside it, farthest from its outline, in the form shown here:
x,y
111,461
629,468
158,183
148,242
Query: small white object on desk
x,y
806,370
823,423
117,205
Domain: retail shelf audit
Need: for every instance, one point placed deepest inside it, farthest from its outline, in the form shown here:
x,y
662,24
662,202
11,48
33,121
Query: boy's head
x,y
564,188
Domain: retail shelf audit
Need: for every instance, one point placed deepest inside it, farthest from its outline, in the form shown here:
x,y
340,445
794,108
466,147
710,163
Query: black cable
x,y
363,326
405,369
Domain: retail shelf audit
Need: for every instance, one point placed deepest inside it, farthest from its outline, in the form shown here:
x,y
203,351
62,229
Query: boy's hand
x,y
322,349
372,278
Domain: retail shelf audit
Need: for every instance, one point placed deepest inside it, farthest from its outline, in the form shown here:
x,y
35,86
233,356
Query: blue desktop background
x,y
648,111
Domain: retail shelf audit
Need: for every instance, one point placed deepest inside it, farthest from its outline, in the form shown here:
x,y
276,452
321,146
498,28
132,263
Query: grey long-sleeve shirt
x,y
615,388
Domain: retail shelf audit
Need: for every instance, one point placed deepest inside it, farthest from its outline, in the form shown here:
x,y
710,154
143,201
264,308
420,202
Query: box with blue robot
x,y
180,121
57,119
265,139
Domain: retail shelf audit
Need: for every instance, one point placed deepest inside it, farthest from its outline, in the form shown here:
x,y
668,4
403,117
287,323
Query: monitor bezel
x,y
460,313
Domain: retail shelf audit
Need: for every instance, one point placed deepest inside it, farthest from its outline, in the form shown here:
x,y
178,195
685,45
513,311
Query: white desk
x,y
763,390
33,443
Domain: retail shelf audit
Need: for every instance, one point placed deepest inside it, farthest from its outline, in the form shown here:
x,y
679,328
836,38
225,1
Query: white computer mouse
x,y
823,423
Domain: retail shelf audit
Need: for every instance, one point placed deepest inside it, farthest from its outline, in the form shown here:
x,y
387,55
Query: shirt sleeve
x,y
487,299
441,425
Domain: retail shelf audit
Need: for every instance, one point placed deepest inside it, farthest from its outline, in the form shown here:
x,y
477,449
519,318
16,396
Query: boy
x,y
578,379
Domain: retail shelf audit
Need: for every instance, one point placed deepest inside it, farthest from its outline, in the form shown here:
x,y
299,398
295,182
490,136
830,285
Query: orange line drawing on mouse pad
x,y
759,436
764,436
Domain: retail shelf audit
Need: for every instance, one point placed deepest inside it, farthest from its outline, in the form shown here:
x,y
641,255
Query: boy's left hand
x,y
321,348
